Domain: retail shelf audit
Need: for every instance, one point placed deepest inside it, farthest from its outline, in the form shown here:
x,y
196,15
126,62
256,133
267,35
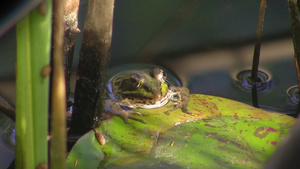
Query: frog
x,y
144,89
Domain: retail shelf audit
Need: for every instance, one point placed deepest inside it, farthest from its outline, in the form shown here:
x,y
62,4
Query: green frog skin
x,y
144,89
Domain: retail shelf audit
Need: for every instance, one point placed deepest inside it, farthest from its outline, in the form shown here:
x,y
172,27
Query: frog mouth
x,y
163,101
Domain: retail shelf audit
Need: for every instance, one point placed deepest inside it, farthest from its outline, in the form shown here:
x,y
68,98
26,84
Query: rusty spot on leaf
x,y
133,134
274,143
262,132
200,112
209,125
187,134
224,140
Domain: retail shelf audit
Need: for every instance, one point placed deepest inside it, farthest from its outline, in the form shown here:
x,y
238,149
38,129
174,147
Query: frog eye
x,y
136,81
133,80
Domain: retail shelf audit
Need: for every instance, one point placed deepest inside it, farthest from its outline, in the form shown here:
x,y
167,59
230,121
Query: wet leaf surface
x,y
220,133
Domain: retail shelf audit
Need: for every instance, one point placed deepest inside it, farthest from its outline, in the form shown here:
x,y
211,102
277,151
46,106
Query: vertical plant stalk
x,y
70,32
295,27
92,68
58,100
41,38
256,55
33,55
24,128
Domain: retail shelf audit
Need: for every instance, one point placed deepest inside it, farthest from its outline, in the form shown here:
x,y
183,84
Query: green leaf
x,y
220,133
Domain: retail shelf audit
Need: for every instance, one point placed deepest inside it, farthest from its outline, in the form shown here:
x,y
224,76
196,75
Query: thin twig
x,y
256,54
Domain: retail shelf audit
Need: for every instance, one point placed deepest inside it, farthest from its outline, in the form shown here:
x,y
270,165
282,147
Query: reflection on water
x,y
215,73
7,141
244,82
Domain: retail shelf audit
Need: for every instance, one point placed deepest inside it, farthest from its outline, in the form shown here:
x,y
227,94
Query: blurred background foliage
x,y
190,25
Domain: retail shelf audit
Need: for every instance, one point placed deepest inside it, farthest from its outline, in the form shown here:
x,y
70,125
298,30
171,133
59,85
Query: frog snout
x,y
155,90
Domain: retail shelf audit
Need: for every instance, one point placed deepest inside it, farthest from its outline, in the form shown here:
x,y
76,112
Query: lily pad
x,y
221,133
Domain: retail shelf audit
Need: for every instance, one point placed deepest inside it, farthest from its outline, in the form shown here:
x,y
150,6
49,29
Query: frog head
x,y
142,86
